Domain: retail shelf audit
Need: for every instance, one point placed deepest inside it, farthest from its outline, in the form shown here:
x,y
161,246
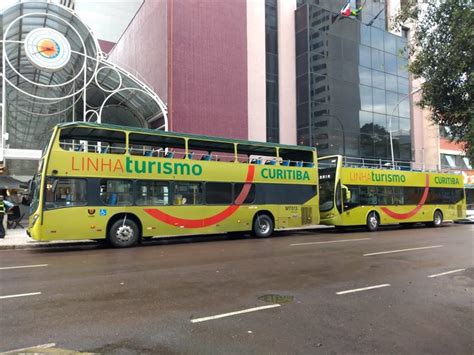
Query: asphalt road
x,y
155,298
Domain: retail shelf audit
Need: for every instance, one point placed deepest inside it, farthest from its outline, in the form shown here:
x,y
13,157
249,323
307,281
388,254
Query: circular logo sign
x,y
47,49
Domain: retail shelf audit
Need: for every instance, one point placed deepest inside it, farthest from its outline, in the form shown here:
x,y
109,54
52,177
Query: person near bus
x,y
7,206
2,215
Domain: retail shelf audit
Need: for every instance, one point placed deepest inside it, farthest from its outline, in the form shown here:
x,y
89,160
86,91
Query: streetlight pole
x,y
390,122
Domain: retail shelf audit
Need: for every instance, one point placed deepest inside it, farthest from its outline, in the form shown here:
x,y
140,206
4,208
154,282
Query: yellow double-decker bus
x,y
121,184
351,195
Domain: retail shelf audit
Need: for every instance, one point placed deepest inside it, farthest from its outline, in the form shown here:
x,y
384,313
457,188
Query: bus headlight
x,y
35,218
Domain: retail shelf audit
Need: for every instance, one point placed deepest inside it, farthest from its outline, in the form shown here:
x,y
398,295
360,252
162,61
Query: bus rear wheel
x,y
373,222
124,233
437,219
263,226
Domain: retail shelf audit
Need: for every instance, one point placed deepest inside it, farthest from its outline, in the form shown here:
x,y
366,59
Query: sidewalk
x,y
18,239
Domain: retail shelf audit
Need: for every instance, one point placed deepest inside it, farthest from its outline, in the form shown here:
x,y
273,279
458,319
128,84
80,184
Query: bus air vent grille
x,y
306,215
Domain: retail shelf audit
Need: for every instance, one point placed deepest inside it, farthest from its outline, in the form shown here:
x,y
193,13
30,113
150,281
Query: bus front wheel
x,y
123,233
437,219
263,226
373,222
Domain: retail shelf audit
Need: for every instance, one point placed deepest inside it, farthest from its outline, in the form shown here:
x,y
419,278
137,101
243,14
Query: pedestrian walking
x,y
2,215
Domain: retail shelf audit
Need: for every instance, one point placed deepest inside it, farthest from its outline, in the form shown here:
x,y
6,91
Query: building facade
x,y
352,83
288,71
54,71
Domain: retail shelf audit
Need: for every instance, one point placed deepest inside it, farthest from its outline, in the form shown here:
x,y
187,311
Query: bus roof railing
x,y
374,163
379,163
183,135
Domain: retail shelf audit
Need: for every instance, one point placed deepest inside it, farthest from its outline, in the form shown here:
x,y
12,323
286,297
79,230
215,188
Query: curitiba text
x,y
283,174
447,180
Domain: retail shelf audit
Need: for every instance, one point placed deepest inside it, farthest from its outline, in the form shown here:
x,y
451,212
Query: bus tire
x,y
437,219
373,221
263,226
124,234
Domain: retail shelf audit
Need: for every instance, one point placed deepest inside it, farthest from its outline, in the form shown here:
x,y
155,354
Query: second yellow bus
x,y
371,196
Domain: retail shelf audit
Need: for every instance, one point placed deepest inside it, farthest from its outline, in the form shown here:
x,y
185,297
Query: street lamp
x,y
390,122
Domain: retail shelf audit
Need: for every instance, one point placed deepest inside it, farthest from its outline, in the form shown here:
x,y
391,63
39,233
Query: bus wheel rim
x,y
264,227
373,221
437,218
124,233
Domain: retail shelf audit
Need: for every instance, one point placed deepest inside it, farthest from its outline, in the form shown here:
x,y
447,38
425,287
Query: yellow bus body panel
x,y
380,177
90,222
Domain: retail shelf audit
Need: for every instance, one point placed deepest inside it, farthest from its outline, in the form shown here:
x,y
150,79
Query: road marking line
x,y
447,272
331,241
361,289
42,346
22,266
401,250
197,320
21,295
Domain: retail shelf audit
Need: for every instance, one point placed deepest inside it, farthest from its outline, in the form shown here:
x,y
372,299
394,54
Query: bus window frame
x,y
54,184
132,193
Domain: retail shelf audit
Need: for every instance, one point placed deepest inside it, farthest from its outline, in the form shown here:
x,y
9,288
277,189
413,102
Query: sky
x,y
107,18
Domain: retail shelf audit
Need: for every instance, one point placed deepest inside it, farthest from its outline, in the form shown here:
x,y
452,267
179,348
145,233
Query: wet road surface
x,y
396,290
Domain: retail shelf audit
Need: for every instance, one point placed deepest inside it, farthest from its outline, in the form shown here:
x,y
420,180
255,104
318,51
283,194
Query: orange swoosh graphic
x,y
416,209
208,221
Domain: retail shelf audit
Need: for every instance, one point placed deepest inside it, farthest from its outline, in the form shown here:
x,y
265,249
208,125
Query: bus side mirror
x,y
346,193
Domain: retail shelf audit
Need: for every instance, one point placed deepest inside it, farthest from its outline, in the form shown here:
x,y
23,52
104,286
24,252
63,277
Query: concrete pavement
x,y
395,291
18,239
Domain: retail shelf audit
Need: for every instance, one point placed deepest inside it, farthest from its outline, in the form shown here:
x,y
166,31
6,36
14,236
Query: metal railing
x,y
374,163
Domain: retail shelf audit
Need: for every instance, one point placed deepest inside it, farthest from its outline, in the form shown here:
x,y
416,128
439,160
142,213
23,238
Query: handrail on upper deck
x,y
105,145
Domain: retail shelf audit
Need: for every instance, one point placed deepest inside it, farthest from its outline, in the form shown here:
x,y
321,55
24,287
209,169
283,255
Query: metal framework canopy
x,y
53,71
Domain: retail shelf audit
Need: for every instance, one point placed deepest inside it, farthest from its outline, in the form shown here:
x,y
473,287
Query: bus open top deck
x,y
123,183
368,194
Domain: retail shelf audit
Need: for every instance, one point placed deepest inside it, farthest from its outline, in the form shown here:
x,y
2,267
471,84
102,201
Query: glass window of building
x,y
271,59
362,79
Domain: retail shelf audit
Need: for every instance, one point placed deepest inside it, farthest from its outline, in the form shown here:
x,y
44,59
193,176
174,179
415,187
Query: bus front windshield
x,y
327,181
34,188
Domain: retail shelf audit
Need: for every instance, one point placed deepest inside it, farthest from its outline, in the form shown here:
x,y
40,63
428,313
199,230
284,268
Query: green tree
x,y
442,51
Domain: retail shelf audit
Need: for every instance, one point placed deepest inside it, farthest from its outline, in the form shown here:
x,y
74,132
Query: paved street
x,y
322,292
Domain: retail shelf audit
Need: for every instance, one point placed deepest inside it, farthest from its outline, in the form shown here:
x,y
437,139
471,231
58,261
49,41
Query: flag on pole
x,y
346,10
355,12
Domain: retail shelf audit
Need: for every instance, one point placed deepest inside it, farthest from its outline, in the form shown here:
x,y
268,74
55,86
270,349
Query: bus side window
x,y
372,195
364,195
188,193
354,200
115,192
398,195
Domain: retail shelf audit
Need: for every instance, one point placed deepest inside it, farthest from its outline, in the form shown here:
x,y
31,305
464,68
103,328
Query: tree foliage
x,y
442,50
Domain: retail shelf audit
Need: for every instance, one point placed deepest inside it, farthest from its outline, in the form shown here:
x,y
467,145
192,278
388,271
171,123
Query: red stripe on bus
x,y
413,211
208,221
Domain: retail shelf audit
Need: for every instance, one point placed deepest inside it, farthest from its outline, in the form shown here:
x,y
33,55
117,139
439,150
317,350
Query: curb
x,y
164,239
46,245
